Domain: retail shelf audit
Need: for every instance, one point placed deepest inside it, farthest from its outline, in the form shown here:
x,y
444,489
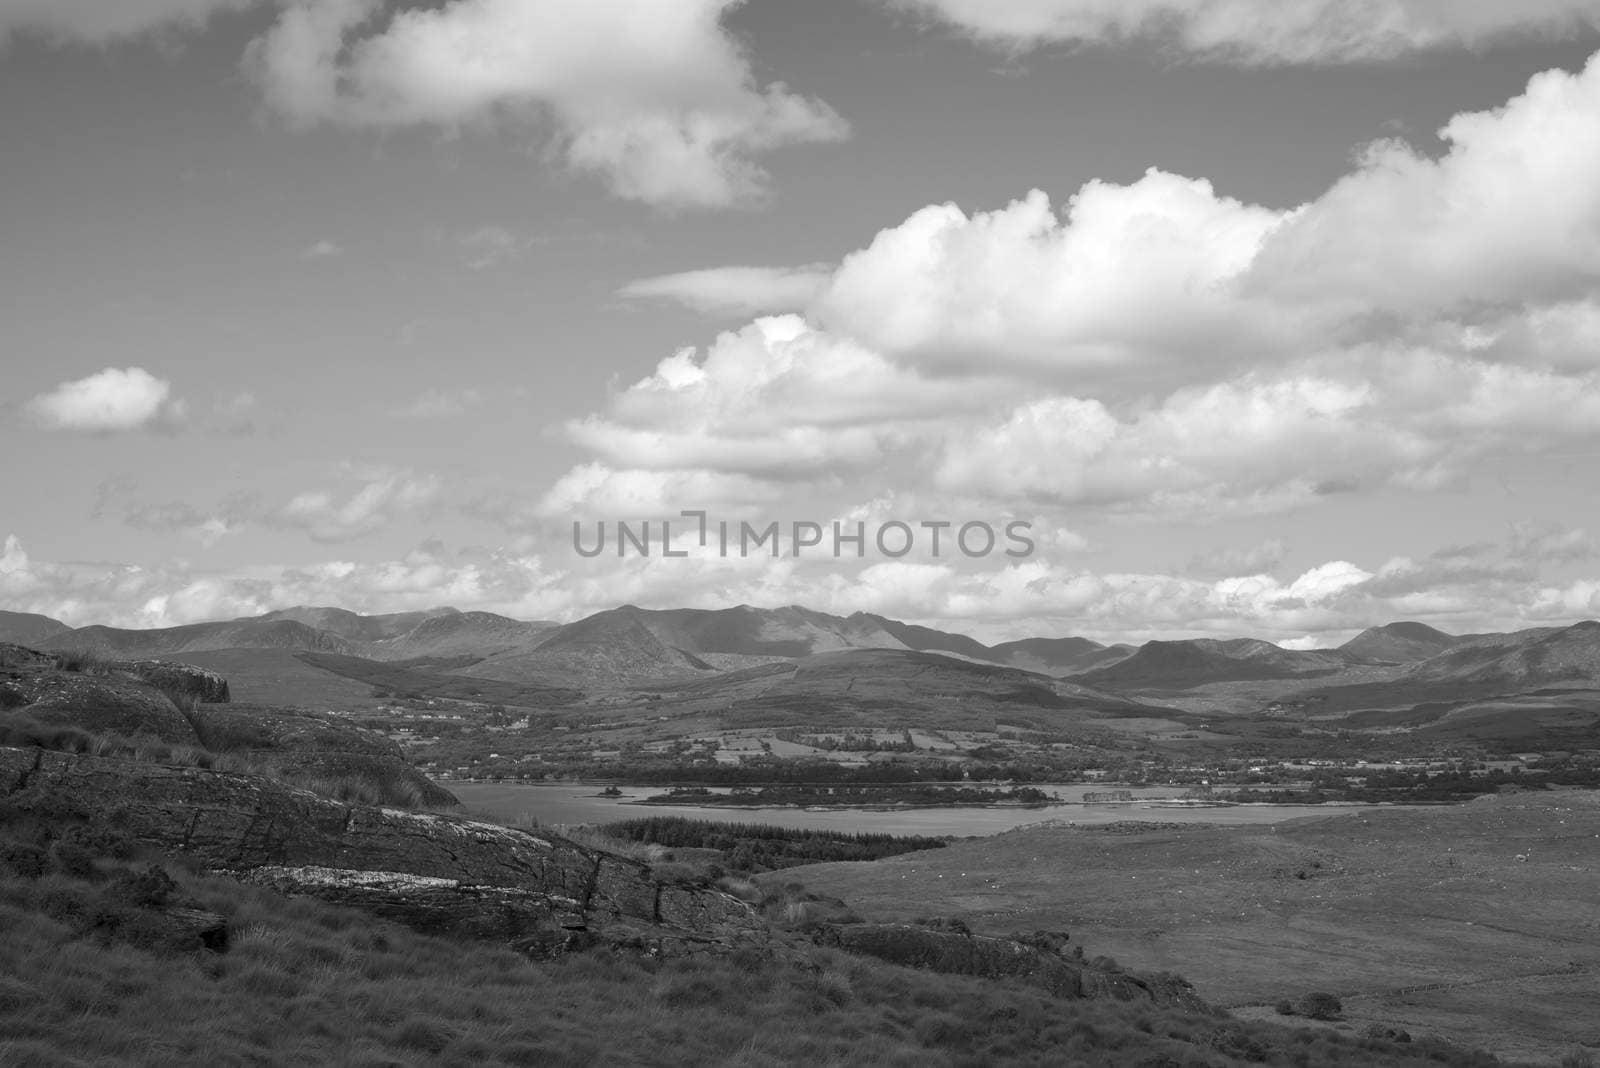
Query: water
x,y
578,803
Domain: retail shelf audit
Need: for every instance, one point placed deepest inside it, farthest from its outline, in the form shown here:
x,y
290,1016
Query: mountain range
x,y
625,645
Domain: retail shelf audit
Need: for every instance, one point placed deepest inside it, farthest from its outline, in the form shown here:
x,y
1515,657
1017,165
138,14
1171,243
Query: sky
x,y
1278,319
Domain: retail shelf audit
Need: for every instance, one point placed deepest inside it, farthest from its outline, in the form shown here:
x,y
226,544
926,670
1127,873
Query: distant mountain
x,y
357,628
1523,660
1181,664
25,628
613,647
926,639
1059,656
200,637
790,631
481,634
1398,643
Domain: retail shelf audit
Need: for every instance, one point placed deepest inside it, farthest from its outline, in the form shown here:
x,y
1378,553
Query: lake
x,y
578,803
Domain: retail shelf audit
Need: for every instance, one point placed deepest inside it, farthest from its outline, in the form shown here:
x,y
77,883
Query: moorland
x,y
220,801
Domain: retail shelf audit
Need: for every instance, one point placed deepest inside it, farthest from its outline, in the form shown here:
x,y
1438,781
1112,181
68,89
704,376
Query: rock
x,y
100,704
308,746
438,872
185,680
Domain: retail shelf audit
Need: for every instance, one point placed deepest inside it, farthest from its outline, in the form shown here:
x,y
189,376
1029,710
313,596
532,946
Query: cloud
x,y
656,99
735,291
1251,33
322,250
1492,250
185,520
1159,349
111,401
440,404
381,498
776,399
99,22
1042,595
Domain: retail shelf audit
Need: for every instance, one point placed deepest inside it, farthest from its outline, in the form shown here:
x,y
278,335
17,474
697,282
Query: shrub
x,y
1283,1007
1321,1005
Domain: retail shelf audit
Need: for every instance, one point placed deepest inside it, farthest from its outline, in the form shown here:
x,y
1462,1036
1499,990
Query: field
x,y
1481,920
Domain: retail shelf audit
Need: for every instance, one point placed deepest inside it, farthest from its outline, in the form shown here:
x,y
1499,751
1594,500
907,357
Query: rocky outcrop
x,y
98,704
1036,963
538,892
181,680
307,746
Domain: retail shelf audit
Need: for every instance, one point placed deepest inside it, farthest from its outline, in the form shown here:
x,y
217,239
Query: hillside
x,y
353,627
1178,665
609,648
26,628
1524,660
1059,656
1398,643
450,634
200,638
1469,919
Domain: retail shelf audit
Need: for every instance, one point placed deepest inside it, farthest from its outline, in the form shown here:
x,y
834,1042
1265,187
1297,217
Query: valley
x,y
1371,822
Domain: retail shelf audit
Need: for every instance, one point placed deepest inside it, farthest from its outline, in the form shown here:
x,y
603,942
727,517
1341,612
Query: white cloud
x,y
1255,33
322,250
102,21
381,497
1509,215
655,98
735,291
776,398
595,492
1133,277
1265,441
111,401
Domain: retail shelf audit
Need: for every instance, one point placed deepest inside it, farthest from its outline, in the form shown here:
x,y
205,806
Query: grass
x,y
357,786
1421,920
303,983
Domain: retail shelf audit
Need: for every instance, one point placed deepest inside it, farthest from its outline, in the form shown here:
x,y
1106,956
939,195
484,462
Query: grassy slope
x,y
1398,900
308,984
282,677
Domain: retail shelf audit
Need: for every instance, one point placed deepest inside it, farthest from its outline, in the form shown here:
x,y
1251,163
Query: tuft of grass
x,y
83,661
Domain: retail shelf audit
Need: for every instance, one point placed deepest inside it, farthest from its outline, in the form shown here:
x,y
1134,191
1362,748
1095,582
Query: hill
x,y
26,628
200,638
608,648
1523,660
480,634
1178,665
1398,643
353,627
1059,656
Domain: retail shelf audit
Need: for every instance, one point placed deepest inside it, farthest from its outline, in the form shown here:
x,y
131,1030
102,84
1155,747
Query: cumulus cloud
x,y
1158,348
1399,419
656,99
1130,277
1492,249
381,497
108,402
735,291
99,22
776,399
1252,33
